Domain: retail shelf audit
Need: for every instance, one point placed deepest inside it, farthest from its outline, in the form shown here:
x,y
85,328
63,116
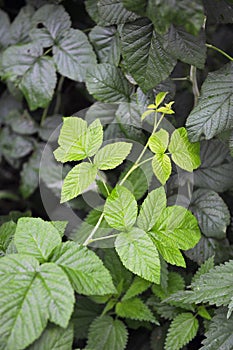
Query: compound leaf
x,y
184,153
120,210
36,237
138,254
181,331
78,180
114,337
84,269
214,110
112,155
151,208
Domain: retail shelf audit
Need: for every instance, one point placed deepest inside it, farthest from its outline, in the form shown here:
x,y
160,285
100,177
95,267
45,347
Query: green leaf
x,y
138,181
145,55
138,254
184,153
138,286
73,55
49,22
160,98
25,64
35,295
181,331
114,337
120,209
54,338
84,269
113,12
219,334
78,180
77,141
129,114
106,43
36,237
204,268
152,208
108,84
214,110
187,47
21,26
21,123
4,29
14,146
216,167
158,141
92,10
213,220
103,111
175,283
112,155
171,255
7,231
134,309
176,228
162,168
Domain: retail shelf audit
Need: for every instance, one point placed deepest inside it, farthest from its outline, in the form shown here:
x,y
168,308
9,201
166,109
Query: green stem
x,y
193,78
89,238
220,51
44,115
58,100
48,51
145,161
181,79
101,238
103,181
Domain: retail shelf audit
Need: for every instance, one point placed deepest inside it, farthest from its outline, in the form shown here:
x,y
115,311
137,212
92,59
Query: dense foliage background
x,y
108,59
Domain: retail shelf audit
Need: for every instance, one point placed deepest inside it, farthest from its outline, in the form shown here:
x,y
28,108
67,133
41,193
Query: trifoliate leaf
x,y
112,155
77,141
184,153
181,331
108,84
161,165
213,220
120,210
113,12
106,43
36,237
78,180
84,269
73,55
114,337
138,286
145,55
49,22
214,110
55,338
138,254
219,334
151,208
43,291
135,309
158,141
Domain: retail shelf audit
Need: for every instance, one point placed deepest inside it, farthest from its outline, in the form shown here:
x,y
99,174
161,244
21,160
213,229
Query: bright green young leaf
x,y
78,180
184,153
145,55
219,334
112,155
36,237
138,254
7,231
214,110
114,337
162,168
44,292
181,331
213,219
171,255
24,64
77,141
108,84
176,227
120,210
160,98
106,43
138,286
135,309
48,23
158,141
84,269
151,208
113,12
73,55
55,338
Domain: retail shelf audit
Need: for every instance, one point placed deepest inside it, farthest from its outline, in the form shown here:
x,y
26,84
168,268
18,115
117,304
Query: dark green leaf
x,y
21,25
13,145
113,12
107,83
21,123
4,29
144,54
